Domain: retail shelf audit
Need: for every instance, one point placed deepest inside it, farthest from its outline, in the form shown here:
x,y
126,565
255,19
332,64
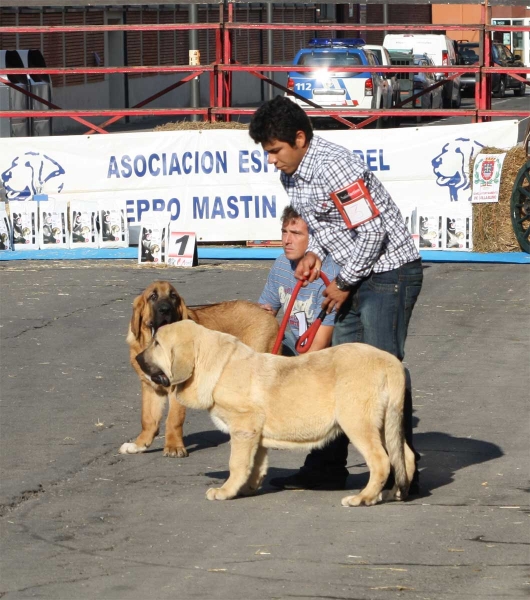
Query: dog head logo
x,y
451,167
30,173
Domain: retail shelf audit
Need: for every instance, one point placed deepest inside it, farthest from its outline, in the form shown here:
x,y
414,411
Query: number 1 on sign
x,y
183,241
181,249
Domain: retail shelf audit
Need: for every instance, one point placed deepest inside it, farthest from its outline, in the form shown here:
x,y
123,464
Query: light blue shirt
x,y
279,289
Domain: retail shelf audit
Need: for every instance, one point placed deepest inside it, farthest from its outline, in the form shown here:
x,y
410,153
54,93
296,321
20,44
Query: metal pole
x,y
125,64
270,53
385,17
195,97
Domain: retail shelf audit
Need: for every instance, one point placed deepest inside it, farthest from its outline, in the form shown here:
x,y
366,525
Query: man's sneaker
x,y
310,480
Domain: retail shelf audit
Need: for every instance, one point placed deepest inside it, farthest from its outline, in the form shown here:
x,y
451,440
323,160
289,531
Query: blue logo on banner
x,y
451,167
28,173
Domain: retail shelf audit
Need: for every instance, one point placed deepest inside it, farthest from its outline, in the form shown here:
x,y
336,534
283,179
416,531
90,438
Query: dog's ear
x,y
182,361
136,320
183,310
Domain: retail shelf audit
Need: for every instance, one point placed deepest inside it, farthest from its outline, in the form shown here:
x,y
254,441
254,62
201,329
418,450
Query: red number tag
x,y
355,204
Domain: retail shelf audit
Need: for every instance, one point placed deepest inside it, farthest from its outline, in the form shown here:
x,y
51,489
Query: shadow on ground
x,y
442,456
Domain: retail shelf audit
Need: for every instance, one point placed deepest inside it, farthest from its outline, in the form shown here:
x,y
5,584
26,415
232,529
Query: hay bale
x,y
492,224
199,125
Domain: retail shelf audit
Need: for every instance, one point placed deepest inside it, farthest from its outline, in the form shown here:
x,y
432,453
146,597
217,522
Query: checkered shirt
x,y
381,244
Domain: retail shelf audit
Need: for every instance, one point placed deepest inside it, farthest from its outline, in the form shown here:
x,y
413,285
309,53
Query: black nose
x,y
160,379
164,309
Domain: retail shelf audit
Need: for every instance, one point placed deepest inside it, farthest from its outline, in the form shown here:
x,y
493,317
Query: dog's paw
x,y
390,495
131,448
218,494
359,500
178,452
248,490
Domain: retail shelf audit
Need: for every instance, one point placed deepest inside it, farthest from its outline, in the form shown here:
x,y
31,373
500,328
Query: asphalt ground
x,y
80,521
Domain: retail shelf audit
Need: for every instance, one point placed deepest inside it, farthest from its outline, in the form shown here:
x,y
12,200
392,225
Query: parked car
x,y
383,58
440,49
339,88
500,82
422,81
468,55
503,57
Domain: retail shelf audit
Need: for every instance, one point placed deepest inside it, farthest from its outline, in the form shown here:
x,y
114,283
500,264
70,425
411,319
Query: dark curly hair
x,y
290,214
279,119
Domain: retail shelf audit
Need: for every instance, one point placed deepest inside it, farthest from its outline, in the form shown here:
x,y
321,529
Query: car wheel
x,y
446,98
458,102
520,91
520,207
501,91
382,122
395,121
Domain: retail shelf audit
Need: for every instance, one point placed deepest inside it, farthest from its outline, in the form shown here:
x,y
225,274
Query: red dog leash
x,y
304,341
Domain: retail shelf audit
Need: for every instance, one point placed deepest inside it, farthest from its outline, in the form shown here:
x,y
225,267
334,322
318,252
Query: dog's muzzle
x,y
157,376
164,314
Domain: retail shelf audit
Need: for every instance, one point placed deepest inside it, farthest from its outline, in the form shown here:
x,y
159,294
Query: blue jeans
x,y
377,312
289,344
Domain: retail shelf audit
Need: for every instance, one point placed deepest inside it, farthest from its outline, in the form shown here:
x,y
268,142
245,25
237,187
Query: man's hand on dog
x,y
268,308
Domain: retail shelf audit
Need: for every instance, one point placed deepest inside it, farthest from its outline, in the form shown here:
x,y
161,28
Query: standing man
x,y
281,283
351,216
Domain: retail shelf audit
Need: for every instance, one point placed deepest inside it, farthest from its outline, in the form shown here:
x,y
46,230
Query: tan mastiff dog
x,y
266,401
160,304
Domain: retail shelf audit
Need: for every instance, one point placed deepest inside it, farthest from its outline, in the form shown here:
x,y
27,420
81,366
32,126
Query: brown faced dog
x,y
267,401
160,304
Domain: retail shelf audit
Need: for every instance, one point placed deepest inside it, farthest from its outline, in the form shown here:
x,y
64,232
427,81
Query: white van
x,y
439,48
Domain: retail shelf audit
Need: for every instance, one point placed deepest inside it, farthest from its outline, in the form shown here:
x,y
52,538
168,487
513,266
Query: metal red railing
x,y
220,74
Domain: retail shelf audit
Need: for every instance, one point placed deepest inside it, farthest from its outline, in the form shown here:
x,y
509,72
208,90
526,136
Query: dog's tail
x,y
394,432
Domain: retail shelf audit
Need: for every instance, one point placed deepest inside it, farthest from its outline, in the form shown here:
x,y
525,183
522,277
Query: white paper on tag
x,y
6,233
83,230
301,317
152,243
113,226
430,230
25,220
53,224
358,212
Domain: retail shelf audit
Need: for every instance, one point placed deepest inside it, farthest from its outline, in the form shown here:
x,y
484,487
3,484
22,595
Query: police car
x,y
337,88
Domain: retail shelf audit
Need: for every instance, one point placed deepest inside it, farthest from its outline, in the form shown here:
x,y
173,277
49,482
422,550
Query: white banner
x,y
218,183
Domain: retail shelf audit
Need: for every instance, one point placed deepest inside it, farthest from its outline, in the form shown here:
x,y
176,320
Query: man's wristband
x,y
341,284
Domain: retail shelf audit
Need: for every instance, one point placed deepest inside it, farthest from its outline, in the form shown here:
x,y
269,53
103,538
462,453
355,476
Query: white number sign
x,y
182,249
